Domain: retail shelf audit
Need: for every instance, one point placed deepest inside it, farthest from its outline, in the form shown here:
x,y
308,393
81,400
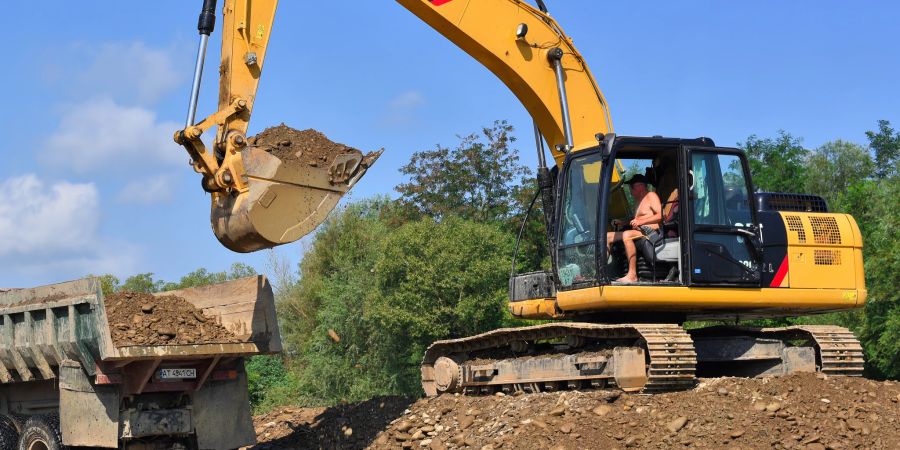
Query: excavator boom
x,y
521,44
260,200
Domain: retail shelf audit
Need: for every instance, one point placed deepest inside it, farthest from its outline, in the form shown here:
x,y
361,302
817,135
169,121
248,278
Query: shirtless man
x,y
648,215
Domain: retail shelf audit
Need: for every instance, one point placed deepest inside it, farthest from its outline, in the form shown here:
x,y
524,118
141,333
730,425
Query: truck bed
x,y
42,327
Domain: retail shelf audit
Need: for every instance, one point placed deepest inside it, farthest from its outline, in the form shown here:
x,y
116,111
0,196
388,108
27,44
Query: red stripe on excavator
x,y
440,2
782,272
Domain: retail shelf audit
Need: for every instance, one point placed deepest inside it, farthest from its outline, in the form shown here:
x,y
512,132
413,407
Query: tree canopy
x,y
778,164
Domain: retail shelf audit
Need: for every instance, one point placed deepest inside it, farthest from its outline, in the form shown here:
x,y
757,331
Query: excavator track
x,y
839,352
641,357
673,359
833,350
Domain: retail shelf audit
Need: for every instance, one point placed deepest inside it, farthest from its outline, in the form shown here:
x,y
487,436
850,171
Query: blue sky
x,y
93,184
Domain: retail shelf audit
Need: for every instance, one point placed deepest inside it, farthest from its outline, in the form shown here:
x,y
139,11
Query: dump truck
x,y
65,382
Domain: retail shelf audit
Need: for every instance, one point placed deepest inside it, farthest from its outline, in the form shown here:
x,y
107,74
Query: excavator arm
x,y
521,45
260,201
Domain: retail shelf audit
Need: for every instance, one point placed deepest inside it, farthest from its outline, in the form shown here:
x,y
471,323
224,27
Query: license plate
x,y
177,374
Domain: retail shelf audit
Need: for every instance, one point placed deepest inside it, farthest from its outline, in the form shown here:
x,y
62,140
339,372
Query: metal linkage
x,y
539,142
555,56
205,25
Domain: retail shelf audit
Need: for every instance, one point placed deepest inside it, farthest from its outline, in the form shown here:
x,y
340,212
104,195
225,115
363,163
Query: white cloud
x,y
52,229
401,110
149,190
36,218
408,100
127,71
101,134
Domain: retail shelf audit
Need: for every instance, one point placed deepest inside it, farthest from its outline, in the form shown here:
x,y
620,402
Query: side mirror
x,y
607,142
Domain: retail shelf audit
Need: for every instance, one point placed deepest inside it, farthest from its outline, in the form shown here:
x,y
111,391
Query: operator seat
x,y
663,256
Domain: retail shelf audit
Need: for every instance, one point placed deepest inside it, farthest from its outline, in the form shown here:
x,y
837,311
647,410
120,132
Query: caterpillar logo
x,y
439,2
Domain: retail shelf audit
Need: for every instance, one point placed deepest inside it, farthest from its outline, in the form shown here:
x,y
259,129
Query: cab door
x,y
723,247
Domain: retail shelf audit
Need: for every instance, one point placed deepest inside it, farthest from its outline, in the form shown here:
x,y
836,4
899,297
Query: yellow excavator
x,y
720,251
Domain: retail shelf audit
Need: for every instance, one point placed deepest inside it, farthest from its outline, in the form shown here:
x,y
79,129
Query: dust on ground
x,y
143,319
307,147
801,411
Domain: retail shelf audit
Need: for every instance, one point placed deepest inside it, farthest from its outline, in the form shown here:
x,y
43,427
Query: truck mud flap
x,y
88,414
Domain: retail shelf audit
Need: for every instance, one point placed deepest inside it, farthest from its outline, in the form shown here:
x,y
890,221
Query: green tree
x,y
533,253
337,281
372,297
203,277
885,144
270,383
476,180
835,166
142,282
109,284
437,281
874,204
777,165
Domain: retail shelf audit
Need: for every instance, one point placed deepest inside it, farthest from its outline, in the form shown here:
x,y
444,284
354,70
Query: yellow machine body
x,y
822,272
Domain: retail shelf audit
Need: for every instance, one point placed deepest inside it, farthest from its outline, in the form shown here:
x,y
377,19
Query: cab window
x,y
720,190
577,233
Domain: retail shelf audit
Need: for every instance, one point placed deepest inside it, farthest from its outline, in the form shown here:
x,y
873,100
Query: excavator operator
x,y
646,224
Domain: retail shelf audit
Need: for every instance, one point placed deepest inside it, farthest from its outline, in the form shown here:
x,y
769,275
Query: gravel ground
x,y
802,411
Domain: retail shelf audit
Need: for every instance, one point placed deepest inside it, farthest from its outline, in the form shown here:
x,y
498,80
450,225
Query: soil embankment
x,y
803,411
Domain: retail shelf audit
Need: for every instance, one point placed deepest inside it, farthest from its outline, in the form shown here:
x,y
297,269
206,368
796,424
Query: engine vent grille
x,y
779,201
796,225
827,257
825,230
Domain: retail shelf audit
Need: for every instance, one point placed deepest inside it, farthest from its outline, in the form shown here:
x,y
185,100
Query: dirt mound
x,y
143,319
343,426
804,411
309,147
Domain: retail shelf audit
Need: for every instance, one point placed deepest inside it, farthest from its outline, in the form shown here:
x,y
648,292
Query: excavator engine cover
x,y
287,197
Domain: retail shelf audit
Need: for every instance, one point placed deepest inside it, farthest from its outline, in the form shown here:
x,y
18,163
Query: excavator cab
x,y
716,222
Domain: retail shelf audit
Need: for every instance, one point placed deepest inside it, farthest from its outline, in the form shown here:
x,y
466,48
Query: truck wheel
x,y
41,433
9,434
18,421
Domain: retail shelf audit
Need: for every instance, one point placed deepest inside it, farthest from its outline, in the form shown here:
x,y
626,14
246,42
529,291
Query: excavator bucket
x,y
295,179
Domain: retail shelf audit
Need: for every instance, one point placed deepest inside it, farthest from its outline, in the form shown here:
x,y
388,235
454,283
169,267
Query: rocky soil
x,y
350,426
143,319
803,411
309,147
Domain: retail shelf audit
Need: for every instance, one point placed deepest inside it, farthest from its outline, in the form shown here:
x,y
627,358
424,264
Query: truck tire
x,y
9,434
18,421
41,433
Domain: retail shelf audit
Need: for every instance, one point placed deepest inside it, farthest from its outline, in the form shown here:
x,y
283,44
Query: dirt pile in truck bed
x,y
307,147
143,319
804,411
